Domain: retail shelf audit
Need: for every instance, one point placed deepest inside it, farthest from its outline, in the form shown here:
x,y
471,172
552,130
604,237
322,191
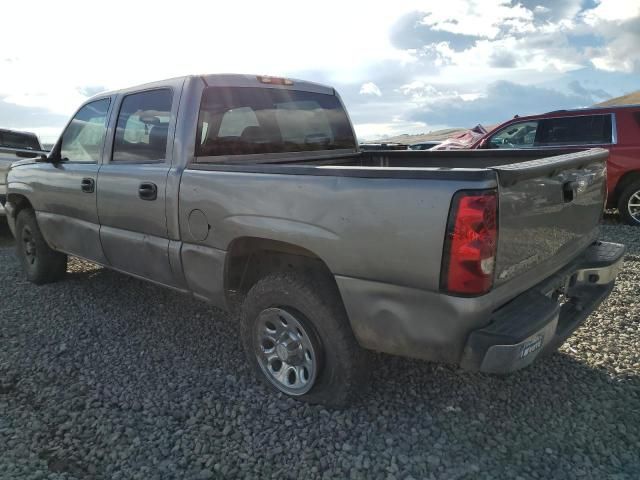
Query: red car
x,y
615,128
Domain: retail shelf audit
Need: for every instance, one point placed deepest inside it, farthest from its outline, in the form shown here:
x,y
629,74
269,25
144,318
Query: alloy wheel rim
x,y
285,351
633,206
29,245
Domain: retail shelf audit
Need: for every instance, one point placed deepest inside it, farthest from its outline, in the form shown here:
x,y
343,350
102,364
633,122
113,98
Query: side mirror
x,y
53,157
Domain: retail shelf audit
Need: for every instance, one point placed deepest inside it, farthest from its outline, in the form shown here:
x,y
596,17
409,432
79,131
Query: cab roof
x,y
235,80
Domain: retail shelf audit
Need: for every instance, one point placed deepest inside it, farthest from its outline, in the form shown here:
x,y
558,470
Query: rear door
x,y
132,184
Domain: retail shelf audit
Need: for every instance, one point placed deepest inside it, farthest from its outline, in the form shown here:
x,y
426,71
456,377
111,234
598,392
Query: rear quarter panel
x,y
390,230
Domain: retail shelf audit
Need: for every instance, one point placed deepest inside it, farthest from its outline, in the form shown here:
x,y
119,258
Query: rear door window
x,y
579,130
249,120
143,127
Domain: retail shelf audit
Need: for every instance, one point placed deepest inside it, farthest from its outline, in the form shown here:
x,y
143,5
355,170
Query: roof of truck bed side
x,y
233,80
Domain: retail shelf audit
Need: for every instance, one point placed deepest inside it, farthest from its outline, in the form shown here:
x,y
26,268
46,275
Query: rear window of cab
x,y
249,120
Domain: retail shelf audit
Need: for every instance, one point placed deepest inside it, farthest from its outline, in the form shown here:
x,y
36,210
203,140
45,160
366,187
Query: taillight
x,y
469,254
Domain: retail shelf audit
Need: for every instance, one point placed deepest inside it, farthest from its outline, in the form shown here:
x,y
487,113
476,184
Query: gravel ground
x,y
105,376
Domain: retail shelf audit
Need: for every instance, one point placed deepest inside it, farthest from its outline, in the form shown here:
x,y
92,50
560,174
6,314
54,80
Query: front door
x,y
132,183
66,189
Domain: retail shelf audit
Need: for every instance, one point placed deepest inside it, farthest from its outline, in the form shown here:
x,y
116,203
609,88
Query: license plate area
x,y
531,346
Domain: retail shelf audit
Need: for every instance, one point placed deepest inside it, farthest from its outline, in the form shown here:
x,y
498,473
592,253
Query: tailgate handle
x,y
569,190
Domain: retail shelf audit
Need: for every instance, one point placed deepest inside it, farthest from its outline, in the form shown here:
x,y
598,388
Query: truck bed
x,y
549,201
440,159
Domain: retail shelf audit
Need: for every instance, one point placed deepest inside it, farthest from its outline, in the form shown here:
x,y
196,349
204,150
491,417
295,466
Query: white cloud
x,y
370,88
482,18
612,10
69,46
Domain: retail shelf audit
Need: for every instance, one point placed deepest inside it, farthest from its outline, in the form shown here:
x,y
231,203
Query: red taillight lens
x,y
470,245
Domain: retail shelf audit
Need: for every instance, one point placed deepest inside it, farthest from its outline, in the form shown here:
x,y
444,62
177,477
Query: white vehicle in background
x,y
15,145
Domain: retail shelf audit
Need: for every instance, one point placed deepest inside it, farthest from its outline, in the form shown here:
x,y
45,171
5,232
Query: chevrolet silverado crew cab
x,y
251,192
615,128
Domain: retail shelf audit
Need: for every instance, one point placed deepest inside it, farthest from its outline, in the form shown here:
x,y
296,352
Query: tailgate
x,y
549,210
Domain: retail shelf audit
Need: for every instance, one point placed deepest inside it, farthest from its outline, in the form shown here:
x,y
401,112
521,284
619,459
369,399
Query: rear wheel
x,y
297,337
629,204
40,262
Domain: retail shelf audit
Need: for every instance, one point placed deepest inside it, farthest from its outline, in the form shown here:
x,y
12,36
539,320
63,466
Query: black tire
x,y
630,191
342,363
41,263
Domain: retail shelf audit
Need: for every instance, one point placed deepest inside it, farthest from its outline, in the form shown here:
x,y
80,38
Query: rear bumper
x,y
541,319
499,326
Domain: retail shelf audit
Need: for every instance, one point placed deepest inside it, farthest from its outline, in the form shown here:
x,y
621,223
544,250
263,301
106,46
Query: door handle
x,y
88,185
148,191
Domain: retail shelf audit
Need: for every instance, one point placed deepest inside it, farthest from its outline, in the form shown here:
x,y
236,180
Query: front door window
x,y
83,139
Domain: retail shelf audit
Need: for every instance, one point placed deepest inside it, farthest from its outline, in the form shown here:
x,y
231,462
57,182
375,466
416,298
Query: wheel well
x,y
20,202
626,180
249,259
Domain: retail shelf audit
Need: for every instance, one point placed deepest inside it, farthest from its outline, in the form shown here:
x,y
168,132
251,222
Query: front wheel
x,y
41,263
297,336
629,204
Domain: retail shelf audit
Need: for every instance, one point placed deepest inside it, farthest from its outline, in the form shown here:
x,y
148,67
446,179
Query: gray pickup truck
x,y
15,145
250,192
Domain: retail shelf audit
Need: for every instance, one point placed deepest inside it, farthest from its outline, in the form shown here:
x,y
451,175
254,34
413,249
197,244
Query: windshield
x,y
249,120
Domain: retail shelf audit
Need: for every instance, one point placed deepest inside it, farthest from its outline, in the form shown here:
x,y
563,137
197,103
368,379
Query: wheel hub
x,y
281,350
285,351
289,351
29,245
633,205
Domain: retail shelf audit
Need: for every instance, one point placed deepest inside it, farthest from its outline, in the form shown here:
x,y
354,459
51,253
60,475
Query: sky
x,y
401,66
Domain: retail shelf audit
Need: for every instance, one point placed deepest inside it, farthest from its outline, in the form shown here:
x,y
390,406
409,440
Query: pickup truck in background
x,y
615,128
251,192
15,145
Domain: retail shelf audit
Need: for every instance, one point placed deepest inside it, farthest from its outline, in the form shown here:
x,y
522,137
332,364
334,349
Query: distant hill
x,y
628,99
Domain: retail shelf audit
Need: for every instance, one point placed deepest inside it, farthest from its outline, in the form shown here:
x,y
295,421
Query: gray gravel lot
x,y
105,376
